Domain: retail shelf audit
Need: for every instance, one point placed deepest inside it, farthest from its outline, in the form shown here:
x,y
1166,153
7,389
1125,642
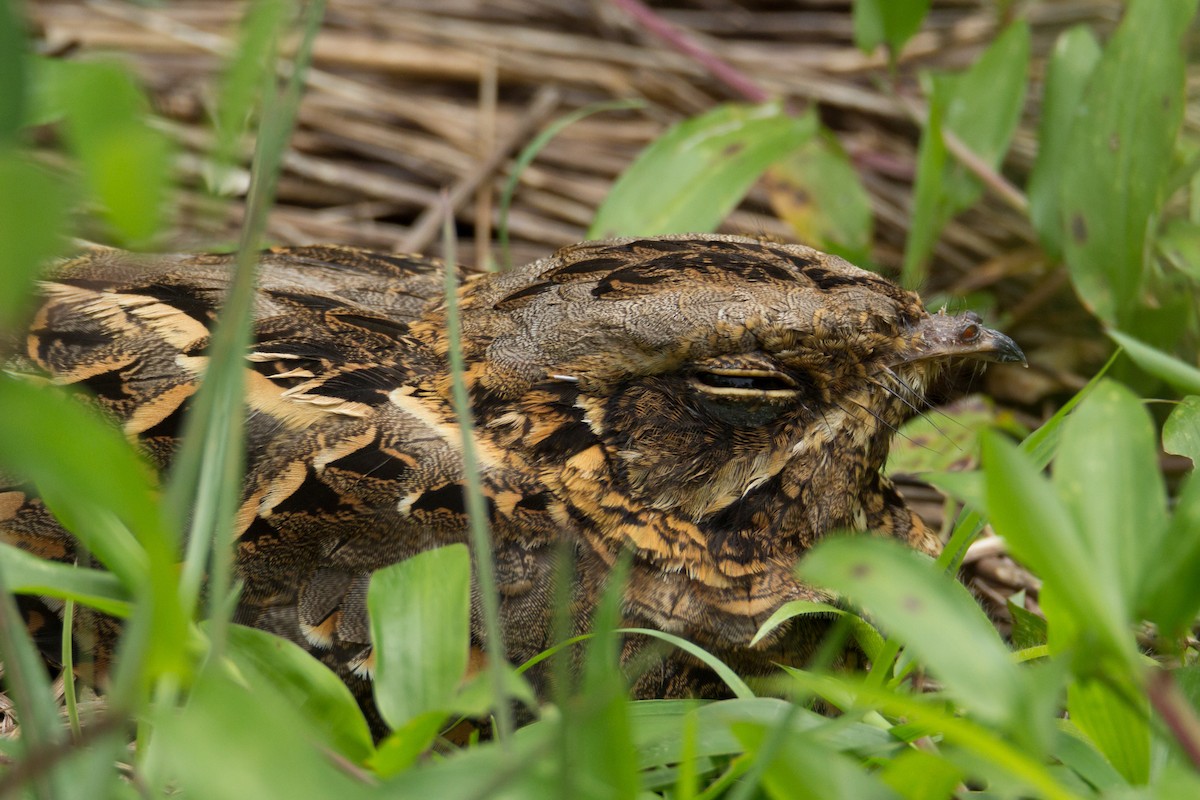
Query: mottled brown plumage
x,y
712,404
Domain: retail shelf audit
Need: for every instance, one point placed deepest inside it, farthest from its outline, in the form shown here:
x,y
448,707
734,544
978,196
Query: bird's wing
x,y
352,460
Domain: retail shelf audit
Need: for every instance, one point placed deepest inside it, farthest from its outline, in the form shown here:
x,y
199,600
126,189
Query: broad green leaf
x,y
269,663
33,215
801,767
1181,431
1042,444
1071,63
420,624
1107,475
696,173
1042,534
56,442
983,743
657,727
934,615
524,769
1074,750
1170,597
126,163
232,742
818,192
404,745
965,487
14,77
920,775
1028,629
941,439
27,574
1177,779
982,107
846,735
864,635
890,22
1117,721
1183,376
1179,244
1188,680
1121,144
477,695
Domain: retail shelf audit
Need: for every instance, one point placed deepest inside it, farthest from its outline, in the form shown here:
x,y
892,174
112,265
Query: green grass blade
x,y
864,635
530,152
28,686
1180,374
477,515
27,574
731,679
981,106
205,484
243,80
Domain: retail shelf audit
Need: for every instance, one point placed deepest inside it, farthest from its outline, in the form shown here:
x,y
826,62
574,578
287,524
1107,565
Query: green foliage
x,y
32,218
230,712
420,613
906,597
126,163
1075,55
1122,139
890,22
981,107
817,191
695,174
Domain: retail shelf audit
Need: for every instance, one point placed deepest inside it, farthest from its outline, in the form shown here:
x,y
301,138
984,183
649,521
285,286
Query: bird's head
x,y
727,392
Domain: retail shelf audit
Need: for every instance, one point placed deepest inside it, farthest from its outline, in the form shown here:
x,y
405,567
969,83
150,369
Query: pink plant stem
x,y
1176,712
720,69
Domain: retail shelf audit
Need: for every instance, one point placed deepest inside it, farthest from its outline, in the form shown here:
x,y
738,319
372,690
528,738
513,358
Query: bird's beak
x,y
963,335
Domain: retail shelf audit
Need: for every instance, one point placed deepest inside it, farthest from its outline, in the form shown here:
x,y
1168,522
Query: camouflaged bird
x,y
711,404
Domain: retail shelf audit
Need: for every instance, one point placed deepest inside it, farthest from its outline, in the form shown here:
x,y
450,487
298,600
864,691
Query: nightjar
x,y
711,405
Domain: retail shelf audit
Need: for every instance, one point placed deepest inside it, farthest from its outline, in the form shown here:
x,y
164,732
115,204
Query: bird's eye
x,y
744,383
969,333
744,380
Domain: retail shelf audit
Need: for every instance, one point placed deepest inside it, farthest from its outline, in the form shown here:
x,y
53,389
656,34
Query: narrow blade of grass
x,y
481,540
205,485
